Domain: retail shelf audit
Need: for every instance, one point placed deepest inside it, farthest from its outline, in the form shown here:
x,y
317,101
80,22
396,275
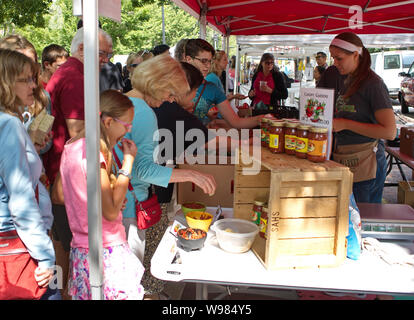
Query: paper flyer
x,y
316,108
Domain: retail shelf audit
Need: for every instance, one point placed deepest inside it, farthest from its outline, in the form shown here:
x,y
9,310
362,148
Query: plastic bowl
x,y
190,244
194,220
192,206
235,235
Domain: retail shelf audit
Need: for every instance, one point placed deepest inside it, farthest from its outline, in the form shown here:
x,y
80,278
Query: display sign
x,y
106,8
316,108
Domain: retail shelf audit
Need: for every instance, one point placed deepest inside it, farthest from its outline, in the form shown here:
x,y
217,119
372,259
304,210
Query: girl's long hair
x,y
112,104
17,42
266,56
214,63
363,71
12,64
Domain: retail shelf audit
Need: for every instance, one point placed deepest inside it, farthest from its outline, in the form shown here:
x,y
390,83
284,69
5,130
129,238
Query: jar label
x,y
273,141
301,145
263,135
263,225
290,142
317,148
256,217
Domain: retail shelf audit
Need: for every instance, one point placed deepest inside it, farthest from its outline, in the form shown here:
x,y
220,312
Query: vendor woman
x,y
363,116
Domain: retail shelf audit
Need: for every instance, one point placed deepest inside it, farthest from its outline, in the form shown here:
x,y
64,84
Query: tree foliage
x,y
140,26
19,13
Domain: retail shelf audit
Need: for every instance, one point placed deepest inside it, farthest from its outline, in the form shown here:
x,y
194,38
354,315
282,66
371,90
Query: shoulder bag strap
x,y
201,93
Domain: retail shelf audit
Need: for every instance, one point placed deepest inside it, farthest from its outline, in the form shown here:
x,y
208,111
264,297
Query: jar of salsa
x,y
277,136
257,211
290,137
263,222
318,140
301,149
264,130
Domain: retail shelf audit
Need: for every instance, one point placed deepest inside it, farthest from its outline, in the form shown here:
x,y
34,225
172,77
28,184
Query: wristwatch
x,y
125,173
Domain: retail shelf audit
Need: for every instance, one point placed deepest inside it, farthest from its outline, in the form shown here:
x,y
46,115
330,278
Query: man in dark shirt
x,y
332,79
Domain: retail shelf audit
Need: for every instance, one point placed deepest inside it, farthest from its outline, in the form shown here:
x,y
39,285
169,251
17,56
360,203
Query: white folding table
x,y
213,266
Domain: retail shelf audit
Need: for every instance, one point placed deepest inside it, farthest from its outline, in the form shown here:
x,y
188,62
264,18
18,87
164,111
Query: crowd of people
x,y
43,190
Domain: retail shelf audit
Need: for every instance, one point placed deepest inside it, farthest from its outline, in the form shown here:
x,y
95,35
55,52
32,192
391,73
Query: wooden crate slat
x,y
243,211
299,189
308,207
306,246
249,195
304,228
260,180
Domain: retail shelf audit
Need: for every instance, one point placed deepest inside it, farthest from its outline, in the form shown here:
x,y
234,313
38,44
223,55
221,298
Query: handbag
x,y
148,212
17,269
360,158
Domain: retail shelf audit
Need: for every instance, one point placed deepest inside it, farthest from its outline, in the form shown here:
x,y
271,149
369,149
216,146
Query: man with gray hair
x,y
66,89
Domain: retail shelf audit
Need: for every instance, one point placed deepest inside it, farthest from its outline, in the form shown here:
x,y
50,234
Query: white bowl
x,y
235,235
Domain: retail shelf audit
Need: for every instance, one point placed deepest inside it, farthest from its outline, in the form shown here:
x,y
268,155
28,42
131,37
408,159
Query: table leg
x,y
201,291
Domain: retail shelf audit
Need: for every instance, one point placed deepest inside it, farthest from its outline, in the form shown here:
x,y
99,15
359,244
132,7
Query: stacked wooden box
x,y
307,205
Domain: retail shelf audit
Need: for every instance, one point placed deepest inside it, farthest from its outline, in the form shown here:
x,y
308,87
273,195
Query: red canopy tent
x,y
259,17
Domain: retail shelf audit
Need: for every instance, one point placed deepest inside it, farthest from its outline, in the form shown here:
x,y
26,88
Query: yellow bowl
x,y
194,220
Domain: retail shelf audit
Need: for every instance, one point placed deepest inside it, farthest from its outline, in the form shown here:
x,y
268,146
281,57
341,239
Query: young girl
x,y
122,269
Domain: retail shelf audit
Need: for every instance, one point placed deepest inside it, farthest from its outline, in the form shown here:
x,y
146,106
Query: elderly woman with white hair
x,y
154,81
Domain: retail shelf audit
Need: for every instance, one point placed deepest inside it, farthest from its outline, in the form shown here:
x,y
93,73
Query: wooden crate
x,y
308,209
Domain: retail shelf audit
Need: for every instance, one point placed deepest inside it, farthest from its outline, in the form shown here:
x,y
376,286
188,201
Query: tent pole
x,y
92,127
237,71
203,20
227,49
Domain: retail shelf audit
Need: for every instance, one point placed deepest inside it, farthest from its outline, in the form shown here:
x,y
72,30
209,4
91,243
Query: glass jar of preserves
x,y
277,136
257,211
264,130
318,141
263,222
301,149
290,137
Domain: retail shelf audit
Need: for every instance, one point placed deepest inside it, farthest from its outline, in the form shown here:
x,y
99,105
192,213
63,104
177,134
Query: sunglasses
x,y
269,63
134,65
319,57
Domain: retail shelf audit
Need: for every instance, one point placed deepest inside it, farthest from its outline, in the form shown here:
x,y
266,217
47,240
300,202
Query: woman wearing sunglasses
x,y
268,85
133,61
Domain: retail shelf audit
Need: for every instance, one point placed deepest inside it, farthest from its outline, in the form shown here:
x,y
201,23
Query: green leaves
x,y
44,22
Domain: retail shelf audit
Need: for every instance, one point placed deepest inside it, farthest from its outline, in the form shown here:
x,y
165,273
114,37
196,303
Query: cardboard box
x,y
308,203
405,195
407,141
224,176
40,127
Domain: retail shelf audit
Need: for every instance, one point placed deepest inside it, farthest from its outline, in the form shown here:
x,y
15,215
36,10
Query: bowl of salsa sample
x,y
199,220
191,239
192,206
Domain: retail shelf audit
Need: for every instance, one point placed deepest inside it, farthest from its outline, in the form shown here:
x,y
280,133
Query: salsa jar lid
x,y
277,123
304,127
259,203
318,130
292,124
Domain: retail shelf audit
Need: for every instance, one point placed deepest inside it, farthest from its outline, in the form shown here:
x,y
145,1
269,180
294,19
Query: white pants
x,y
135,237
